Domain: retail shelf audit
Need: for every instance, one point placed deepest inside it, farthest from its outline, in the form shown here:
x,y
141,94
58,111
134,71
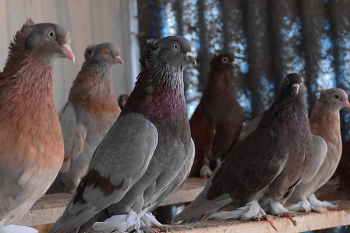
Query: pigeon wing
x,y
118,163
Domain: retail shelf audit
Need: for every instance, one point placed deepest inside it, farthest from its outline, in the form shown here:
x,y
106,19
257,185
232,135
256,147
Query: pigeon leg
x,y
320,206
205,171
303,205
277,209
159,229
248,212
150,224
120,223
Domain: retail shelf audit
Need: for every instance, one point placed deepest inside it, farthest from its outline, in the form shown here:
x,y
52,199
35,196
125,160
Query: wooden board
x,y
50,207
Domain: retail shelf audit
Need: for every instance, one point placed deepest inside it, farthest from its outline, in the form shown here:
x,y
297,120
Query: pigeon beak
x,y
190,58
346,103
296,88
119,59
235,64
67,51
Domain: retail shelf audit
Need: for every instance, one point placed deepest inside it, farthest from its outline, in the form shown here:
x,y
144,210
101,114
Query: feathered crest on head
x,y
20,35
148,54
151,43
89,52
29,22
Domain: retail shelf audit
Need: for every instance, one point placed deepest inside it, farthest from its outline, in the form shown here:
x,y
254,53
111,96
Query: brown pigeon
x,y
147,153
31,144
91,110
324,122
269,162
217,120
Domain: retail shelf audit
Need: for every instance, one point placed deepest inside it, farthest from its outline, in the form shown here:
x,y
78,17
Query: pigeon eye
x,y
176,46
224,60
106,52
52,34
336,96
302,81
287,81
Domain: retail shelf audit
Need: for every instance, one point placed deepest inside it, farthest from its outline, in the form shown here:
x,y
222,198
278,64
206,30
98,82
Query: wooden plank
x,y
305,222
50,207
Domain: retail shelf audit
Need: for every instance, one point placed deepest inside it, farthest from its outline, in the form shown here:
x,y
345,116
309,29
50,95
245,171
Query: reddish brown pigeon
x,y
324,122
146,154
217,120
31,144
269,162
91,110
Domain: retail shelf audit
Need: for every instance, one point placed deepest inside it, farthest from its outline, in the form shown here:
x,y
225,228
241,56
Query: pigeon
x,y
31,143
217,120
340,181
122,100
91,110
146,154
268,162
324,122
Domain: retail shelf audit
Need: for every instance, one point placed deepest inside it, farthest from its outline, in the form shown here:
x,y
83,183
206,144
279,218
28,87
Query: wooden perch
x,y
50,207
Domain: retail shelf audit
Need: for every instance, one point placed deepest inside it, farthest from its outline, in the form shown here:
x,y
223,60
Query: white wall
x,y
90,22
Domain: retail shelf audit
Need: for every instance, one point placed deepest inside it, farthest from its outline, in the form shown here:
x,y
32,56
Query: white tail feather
x,y
17,229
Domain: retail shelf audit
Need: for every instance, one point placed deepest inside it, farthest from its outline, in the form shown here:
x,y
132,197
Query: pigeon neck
x,y
325,123
103,71
90,86
159,94
29,94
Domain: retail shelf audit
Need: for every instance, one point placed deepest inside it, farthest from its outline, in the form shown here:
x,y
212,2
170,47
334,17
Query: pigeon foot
x,y
269,219
277,209
119,223
150,224
248,212
205,171
159,229
287,215
321,206
302,206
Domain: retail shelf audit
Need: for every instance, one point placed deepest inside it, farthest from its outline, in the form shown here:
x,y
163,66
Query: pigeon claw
x,y
269,219
286,215
332,208
159,229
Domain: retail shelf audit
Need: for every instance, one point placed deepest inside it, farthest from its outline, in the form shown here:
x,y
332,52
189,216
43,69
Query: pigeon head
x,y
48,39
293,85
172,50
106,54
335,98
223,62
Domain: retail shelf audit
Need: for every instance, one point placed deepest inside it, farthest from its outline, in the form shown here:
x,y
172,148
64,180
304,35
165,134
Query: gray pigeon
x,y
91,110
325,122
269,162
145,155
